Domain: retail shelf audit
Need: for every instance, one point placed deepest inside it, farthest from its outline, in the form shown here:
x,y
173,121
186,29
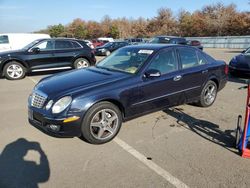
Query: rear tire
x,y
14,71
101,123
81,63
208,94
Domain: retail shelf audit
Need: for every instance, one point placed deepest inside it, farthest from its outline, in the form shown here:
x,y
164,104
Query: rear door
x,y
64,53
194,72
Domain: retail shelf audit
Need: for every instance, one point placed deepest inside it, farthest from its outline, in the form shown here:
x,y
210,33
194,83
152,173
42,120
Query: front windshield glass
x,y
127,60
156,40
30,45
247,51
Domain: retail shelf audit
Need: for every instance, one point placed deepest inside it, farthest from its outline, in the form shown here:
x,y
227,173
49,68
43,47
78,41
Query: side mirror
x,y
35,50
152,73
243,51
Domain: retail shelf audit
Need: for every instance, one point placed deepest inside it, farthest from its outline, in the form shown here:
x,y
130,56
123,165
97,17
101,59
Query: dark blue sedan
x,y
240,64
92,103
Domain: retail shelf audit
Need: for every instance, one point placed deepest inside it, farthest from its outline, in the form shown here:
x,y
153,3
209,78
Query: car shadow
x,y
240,80
207,130
15,171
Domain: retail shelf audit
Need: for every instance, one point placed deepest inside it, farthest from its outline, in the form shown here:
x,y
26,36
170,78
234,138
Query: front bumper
x,y
66,130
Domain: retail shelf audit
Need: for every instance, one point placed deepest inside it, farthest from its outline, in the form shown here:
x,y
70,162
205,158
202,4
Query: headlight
x,y
103,50
61,104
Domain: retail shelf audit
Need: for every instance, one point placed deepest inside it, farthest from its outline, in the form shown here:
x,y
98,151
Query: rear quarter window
x,y
76,45
84,45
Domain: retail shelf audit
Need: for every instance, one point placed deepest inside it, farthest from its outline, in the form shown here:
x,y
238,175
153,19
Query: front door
x,y
163,91
43,57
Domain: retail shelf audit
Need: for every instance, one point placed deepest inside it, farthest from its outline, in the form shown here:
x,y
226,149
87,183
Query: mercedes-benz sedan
x,y
92,103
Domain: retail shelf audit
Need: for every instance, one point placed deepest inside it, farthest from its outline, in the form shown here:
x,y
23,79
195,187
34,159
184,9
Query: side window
x,y
4,39
188,58
202,59
76,45
164,62
45,45
63,44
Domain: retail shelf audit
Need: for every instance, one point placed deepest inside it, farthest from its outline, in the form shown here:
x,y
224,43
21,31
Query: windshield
x,y
156,40
247,51
30,44
127,60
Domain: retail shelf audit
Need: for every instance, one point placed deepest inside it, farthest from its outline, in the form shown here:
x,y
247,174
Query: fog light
x,y
54,127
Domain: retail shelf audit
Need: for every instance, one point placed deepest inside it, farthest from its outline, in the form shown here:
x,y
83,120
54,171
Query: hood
x,y
77,81
11,52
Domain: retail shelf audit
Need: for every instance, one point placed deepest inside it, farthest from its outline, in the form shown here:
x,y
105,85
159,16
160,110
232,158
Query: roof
x,y
151,46
171,37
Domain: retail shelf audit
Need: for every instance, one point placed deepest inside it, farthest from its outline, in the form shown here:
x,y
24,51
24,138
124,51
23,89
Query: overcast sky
x,y
33,15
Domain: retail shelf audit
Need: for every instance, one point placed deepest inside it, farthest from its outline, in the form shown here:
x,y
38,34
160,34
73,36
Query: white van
x,y
16,41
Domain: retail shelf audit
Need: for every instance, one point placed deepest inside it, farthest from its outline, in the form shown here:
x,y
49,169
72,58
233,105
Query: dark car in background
x,y
45,55
195,43
168,40
134,80
240,64
133,41
109,48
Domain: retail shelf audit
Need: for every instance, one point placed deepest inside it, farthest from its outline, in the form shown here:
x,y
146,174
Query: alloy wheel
x,y
14,71
104,124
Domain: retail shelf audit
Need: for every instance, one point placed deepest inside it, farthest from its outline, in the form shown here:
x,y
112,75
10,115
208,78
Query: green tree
x,y
113,31
56,30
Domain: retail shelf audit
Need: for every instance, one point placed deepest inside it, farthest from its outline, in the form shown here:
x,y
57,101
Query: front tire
x,y
101,123
81,63
208,94
14,71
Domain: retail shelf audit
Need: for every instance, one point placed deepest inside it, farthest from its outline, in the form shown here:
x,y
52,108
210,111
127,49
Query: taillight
x,y
226,69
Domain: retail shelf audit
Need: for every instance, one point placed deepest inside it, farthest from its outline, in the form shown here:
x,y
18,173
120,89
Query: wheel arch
x,y
81,56
14,59
113,101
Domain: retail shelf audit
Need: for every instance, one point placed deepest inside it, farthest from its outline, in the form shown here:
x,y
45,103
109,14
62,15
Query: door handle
x,y
204,71
177,78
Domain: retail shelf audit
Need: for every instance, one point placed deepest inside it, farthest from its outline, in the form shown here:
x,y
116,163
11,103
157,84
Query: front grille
x,y
38,100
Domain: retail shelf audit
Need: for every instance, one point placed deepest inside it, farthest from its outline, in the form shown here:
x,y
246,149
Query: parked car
x,y
240,64
109,48
44,55
16,41
134,40
134,80
97,43
168,40
195,43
